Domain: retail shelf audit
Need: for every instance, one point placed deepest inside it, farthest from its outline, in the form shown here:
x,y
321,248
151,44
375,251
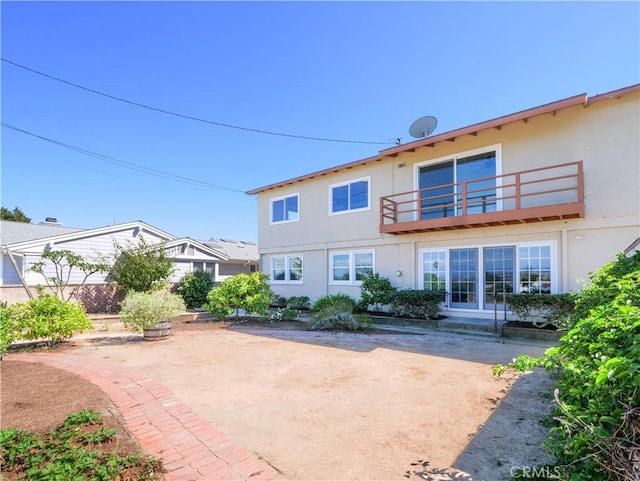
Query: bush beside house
x,y
598,363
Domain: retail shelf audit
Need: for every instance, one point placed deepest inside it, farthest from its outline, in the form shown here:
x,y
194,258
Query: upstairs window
x,y
349,196
285,209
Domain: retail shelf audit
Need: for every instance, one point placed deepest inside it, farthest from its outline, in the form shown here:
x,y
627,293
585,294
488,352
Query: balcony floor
x,y
489,219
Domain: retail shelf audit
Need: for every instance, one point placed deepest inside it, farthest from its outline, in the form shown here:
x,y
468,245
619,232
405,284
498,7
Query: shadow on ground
x,y
467,347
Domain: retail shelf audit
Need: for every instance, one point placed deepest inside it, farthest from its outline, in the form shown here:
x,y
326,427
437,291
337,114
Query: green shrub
x,y
284,314
340,321
298,302
375,290
278,301
143,309
603,286
194,288
48,317
141,267
249,292
8,328
333,300
416,304
598,362
556,309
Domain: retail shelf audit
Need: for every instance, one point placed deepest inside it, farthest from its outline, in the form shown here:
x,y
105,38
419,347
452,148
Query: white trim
x,y
286,258
352,266
283,197
366,179
482,307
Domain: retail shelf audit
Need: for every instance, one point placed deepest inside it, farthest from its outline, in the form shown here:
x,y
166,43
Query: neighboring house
x,y
530,202
23,244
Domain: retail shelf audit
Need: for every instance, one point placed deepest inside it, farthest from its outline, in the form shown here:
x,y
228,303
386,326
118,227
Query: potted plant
x,y
151,313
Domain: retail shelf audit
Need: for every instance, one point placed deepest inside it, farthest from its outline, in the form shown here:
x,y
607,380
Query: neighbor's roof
x,y
45,233
13,232
496,123
235,250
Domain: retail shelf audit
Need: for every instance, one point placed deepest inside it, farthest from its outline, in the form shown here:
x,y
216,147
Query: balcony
x,y
536,195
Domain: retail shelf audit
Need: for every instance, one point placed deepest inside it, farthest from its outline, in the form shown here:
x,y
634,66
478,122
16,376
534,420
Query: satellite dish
x,y
423,127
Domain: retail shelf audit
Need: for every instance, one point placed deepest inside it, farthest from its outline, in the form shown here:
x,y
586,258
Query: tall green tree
x,y
141,267
16,215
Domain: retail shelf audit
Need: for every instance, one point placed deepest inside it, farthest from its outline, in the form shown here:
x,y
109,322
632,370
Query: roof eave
x,y
497,123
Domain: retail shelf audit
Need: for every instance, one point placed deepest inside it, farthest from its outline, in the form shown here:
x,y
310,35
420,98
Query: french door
x,y
474,277
463,274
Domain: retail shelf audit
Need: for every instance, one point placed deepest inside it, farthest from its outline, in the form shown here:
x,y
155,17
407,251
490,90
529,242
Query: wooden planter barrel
x,y
157,332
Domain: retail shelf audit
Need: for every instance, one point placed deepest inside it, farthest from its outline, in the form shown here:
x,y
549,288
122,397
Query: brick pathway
x,y
191,448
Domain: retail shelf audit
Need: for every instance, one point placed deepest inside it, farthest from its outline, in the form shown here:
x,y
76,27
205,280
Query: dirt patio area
x,y
345,406
338,406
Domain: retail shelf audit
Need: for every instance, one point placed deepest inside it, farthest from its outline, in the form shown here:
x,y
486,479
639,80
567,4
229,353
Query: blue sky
x,y
356,71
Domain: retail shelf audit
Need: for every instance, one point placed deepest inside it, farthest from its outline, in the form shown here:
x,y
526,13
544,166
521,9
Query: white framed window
x,y
285,209
351,267
286,269
536,268
434,270
208,267
350,196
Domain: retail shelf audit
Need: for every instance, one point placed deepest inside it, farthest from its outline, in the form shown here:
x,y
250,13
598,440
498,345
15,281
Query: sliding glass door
x,y
441,189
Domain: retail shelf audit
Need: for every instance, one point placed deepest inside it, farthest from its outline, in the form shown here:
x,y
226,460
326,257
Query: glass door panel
x,y
436,190
481,194
463,267
499,273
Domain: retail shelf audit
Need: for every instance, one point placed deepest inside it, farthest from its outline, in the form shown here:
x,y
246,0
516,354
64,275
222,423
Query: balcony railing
x,y
535,195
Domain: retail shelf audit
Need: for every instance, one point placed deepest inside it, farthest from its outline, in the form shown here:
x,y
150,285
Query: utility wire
x,y
189,117
125,164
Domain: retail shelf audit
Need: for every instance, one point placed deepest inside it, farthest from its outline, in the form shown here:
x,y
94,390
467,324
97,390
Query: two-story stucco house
x,y
529,202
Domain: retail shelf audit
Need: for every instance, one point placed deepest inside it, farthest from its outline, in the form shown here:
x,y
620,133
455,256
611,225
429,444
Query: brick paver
x,y
192,449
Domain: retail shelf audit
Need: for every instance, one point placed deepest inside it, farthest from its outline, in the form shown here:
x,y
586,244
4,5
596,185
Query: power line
x,y
123,163
189,117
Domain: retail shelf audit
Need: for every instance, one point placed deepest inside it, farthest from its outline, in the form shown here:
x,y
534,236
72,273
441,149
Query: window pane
x,y
535,269
435,184
277,210
434,271
340,268
359,195
481,195
364,259
341,260
362,272
340,274
291,208
295,268
198,267
277,270
340,198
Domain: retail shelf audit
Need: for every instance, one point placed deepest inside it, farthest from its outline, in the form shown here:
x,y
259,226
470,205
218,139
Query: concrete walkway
x,y
190,447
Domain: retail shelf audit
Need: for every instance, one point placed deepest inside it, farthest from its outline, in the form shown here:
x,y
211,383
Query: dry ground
x,y
318,405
